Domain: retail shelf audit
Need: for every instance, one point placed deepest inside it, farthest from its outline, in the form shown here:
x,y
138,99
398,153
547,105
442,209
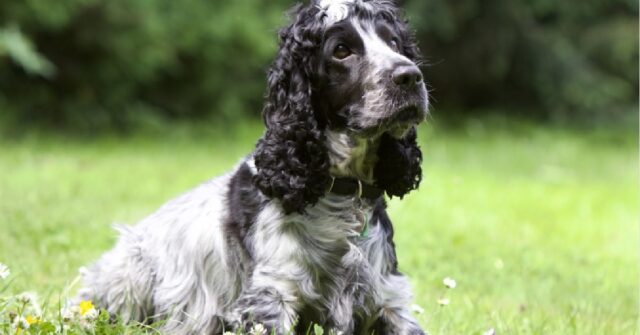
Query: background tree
x,y
99,64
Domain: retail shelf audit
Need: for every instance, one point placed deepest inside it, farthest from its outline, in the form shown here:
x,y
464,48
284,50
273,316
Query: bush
x,y
116,61
92,64
561,60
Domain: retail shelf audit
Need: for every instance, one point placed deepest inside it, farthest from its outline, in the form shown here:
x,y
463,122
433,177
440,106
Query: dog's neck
x,y
351,156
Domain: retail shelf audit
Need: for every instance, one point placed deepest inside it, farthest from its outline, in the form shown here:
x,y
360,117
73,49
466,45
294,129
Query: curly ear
x,y
398,170
291,158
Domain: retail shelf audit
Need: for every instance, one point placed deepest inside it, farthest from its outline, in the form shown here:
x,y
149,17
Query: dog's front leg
x,y
271,297
268,305
395,315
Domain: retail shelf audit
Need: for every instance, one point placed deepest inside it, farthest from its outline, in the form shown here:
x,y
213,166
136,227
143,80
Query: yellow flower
x,y
86,306
32,320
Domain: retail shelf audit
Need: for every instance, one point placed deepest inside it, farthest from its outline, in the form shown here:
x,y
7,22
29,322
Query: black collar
x,y
354,187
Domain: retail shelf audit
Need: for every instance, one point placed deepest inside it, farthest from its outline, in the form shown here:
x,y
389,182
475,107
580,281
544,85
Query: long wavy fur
x,y
399,170
291,158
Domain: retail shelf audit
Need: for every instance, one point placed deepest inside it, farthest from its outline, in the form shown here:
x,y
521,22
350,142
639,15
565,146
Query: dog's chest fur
x,y
322,254
332,264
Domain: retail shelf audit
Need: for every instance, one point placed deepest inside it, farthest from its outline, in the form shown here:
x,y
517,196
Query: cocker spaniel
x,y
297,234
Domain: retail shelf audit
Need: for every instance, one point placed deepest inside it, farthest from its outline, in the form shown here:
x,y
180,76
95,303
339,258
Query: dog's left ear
x,y
398,171
291,158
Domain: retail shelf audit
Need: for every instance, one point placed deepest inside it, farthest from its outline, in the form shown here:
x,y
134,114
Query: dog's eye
x,y
341,52
394,45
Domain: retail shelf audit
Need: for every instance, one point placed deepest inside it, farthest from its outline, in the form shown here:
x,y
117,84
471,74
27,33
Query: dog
x,y
297,234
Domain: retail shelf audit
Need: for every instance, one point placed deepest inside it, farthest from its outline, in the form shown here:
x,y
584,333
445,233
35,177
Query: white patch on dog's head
x,y
337,10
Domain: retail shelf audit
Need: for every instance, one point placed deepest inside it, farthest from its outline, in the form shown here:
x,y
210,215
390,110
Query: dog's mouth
x,y
396,123
406,117
411,114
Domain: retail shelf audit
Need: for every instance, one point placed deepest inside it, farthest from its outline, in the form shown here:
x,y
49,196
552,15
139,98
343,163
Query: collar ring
x,y
333,180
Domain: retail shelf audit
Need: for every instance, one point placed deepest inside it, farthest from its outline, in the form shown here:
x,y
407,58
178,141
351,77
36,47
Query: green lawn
x,y
538,226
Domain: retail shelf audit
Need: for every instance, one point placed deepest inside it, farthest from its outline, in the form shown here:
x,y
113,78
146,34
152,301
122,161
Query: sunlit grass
x,y
537,226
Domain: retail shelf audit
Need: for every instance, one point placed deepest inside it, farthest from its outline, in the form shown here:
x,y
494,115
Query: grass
x,y
538,226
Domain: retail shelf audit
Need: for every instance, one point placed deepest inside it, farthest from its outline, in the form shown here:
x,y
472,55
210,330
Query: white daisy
x,y
443,301
30,300
27,297
90,314
417,309
449,282
258,329
4,271
70,313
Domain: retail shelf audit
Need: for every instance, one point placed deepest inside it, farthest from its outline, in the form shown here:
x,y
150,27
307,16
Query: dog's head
x,y
366,78
343,65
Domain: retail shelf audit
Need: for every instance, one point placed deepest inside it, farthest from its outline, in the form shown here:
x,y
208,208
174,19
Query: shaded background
x,y
88,65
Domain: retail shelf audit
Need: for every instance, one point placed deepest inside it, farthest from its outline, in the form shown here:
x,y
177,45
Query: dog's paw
x,y
417,331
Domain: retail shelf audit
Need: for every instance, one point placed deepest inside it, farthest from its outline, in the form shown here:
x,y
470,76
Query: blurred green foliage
x,y
569,60
117,62
93,64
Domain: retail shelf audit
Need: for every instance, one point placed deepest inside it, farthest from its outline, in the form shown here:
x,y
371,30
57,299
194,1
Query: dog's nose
x,y
407,76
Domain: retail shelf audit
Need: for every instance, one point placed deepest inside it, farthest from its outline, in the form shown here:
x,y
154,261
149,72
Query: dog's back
x,y
171,265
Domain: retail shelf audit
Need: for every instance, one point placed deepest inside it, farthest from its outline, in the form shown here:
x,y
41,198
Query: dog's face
x,y
365,83
350,66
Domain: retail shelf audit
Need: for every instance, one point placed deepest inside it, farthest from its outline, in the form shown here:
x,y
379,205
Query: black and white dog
x,y
296,234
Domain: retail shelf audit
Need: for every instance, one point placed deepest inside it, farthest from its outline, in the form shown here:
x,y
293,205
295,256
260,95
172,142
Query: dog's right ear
x,y
399,172
291,158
